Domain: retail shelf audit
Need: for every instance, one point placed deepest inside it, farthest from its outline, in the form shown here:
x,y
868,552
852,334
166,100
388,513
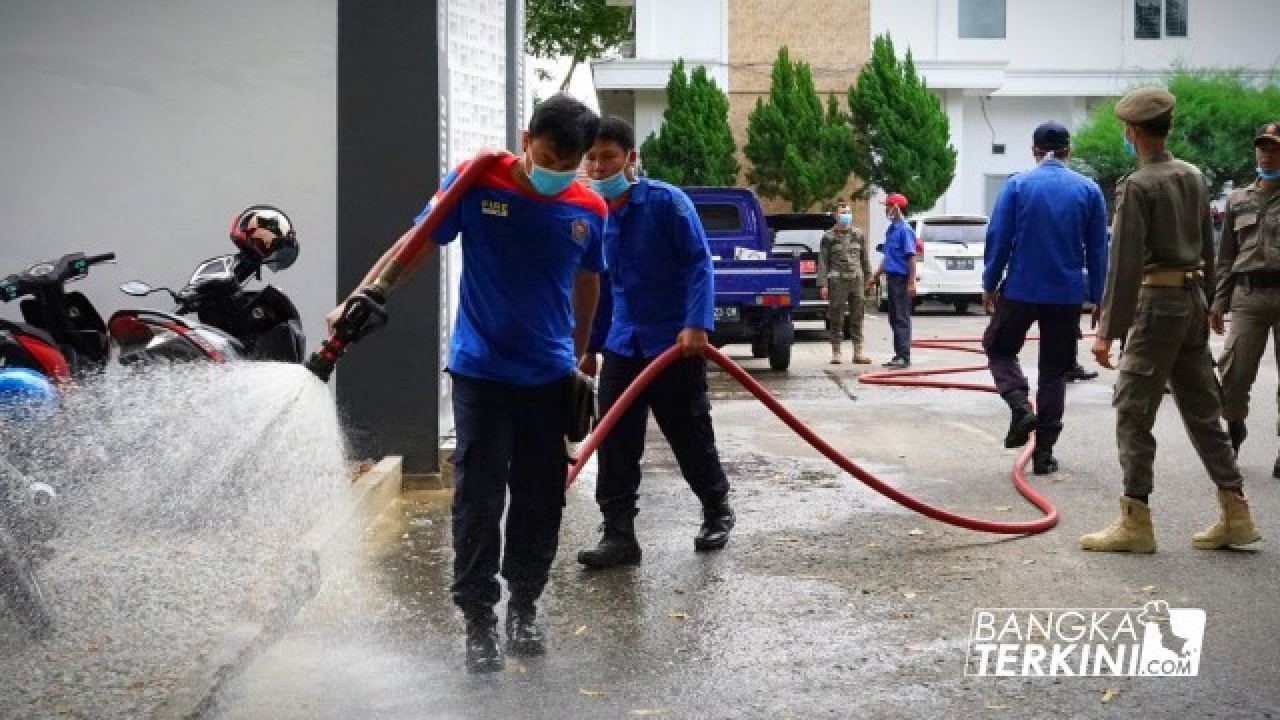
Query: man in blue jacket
x,y
898,267
660,273
1048,224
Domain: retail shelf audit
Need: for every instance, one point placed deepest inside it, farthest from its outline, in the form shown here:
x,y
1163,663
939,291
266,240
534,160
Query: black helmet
x,y
265,233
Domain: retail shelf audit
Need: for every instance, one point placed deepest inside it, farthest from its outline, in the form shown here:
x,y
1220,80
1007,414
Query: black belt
x,y
1260,279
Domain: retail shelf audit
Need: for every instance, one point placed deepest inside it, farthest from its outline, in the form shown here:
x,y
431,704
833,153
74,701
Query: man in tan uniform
x,y
1249,282
843,266
1161,261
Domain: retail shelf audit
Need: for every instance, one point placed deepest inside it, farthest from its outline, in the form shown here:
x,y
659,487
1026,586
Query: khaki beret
x,y
1144,104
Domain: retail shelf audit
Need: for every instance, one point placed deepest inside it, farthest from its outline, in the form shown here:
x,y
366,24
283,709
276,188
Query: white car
x,y
949,270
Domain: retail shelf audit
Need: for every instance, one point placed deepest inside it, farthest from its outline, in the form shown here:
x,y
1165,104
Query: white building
x,y
1001,67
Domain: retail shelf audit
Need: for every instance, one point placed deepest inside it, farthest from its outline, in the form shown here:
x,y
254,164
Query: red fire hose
x,y
912,378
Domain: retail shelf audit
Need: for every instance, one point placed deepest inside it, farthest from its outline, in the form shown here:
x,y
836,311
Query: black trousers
x,y
899,315
510,438
1059,338
678,398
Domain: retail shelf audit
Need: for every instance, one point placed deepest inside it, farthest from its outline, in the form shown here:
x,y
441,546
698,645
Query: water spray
x,y
365,311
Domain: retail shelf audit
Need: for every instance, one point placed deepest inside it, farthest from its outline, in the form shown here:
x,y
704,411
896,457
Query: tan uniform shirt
x,y
1250,239
1162,221
843,253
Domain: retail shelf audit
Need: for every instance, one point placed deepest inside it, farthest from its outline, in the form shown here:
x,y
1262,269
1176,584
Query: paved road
x,y
830,601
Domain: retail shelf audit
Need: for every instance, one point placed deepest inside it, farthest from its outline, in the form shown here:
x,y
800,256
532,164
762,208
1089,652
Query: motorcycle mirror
x,y
136,288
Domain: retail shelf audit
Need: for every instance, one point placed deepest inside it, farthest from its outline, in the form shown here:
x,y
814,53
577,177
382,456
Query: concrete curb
x,y
373,494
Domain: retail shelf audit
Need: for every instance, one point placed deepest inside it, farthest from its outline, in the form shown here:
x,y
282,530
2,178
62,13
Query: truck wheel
x,y
961,307
760,346
779,349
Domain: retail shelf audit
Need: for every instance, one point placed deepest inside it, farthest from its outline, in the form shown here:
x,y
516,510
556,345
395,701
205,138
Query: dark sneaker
x,y
1043,463
717,521
524,637
898,363
484,654
1238,431
617,546
1079,373
1022,423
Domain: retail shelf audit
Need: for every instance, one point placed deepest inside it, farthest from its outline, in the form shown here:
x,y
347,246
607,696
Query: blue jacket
x,y
899,246
660,271
1048,226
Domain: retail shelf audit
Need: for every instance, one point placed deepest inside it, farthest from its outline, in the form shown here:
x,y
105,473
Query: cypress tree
x,y
694,146
904,135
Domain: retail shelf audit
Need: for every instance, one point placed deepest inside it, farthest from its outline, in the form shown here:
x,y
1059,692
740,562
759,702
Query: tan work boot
x,y
836,357
859,358
1131,533
1234,527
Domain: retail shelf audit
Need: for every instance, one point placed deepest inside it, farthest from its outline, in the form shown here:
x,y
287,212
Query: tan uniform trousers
x,y
845,293
1169,344
1255,318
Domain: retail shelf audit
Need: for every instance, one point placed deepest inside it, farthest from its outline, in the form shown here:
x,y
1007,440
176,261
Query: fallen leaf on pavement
x,y
678,616
1004,508
581,629
908,595
650,711
592,590
1149,589
997,707
592,693
1109,694
916,531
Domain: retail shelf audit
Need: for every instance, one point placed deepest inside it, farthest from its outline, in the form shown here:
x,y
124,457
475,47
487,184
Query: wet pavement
x,y
830,601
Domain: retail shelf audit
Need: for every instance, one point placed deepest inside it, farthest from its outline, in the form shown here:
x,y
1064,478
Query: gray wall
x,y
144,126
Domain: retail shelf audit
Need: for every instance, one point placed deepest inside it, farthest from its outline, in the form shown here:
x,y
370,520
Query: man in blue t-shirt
x,y
531,253
661,276
1049,224
898,267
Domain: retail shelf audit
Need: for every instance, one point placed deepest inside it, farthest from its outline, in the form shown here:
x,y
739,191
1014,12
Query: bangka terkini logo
x,y
1150,641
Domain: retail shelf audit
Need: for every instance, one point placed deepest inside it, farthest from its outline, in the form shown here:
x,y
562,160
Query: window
x,y
1148,14
719,217
982,19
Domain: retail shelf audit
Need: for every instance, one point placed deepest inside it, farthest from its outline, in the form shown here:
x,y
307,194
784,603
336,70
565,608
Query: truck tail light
x,y
777,300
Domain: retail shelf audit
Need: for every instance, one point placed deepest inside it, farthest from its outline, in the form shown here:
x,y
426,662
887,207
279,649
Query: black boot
x,y
1021,423
524,637
1043,462
1079,373
484,654
617,547
1238,432
716,523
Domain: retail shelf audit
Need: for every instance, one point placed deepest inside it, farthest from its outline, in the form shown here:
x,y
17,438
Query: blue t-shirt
x,y
899,246
520,254
660,270
1049,224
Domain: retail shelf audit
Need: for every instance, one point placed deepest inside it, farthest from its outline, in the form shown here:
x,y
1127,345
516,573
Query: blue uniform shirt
x,y
899,246
1049,224
660,270
520,253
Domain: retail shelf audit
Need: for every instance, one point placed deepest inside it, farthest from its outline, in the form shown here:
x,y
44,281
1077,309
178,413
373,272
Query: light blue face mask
x,y
1129,148
845,218
550,182
1275,175
612,186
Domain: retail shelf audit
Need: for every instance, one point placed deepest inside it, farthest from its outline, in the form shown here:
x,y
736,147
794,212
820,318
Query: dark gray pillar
x,y
515,73
391,89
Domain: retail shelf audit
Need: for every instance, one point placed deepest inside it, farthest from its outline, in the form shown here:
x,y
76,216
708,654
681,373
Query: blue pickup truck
x,y
755,293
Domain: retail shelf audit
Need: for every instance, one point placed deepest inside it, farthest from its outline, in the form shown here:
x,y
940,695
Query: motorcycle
x,y
235,323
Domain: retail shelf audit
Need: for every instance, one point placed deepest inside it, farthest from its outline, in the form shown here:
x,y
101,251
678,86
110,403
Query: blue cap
x,y
1051,136
25,395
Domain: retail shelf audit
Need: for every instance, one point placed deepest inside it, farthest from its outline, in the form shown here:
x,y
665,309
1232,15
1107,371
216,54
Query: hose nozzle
x,y
364,312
